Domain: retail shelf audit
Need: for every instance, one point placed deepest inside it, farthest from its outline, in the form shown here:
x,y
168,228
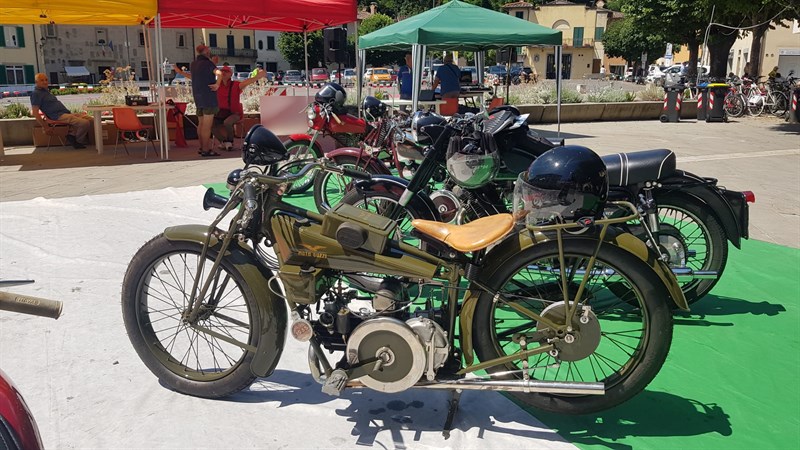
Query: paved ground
x,y
757,154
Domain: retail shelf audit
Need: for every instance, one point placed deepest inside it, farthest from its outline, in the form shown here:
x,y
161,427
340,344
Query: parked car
x,y
393,75
348,77
673,74
320,75
181,80
380,74
334,78
474,71
655,74
497,75
270,77
293,76
241,76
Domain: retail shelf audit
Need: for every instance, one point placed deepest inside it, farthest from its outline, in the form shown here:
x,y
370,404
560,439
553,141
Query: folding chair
x,y
54,124
126,121
449,108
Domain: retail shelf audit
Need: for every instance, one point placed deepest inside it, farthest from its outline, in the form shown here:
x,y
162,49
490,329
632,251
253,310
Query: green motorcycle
x,y
572,318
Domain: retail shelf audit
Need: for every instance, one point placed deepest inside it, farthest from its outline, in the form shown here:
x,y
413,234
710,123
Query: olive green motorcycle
x,y
570,318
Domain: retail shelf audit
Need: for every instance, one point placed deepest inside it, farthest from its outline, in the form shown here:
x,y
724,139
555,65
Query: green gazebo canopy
x,y
459,26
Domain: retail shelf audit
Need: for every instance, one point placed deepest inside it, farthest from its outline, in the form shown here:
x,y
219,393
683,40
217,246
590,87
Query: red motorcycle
x,y
18,430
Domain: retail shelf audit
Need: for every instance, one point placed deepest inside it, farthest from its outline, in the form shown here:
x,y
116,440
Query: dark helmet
x,y
332,93
420,121
373,108
562,185
262,147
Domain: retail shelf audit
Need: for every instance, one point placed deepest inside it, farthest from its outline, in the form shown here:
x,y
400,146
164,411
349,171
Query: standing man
x,y
405,78
449,76
43,100
205,97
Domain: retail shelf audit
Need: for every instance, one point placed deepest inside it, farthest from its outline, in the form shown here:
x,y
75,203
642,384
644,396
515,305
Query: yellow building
x,y
19,56
781,48
582,27
234,47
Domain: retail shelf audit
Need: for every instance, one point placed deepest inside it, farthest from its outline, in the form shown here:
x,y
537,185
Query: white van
x,y
673,74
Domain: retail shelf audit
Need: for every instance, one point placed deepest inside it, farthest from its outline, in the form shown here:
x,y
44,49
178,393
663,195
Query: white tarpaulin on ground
x,y
87,387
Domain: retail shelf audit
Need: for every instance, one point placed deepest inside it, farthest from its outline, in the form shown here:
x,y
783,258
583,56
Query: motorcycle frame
x,y
452,270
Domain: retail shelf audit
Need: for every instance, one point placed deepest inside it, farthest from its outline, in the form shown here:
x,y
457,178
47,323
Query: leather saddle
x,y
470,237
637,167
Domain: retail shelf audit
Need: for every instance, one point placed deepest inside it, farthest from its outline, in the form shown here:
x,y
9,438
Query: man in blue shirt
x,y
204,86
449,76
42,100
405,79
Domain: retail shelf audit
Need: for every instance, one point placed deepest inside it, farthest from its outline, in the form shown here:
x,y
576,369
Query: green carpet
x,y
732,379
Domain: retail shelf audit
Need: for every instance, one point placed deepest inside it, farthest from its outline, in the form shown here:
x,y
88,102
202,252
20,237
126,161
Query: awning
x,y
78,12
76,71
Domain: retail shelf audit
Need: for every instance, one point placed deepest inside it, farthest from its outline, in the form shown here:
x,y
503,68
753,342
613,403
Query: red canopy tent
x,y
269,15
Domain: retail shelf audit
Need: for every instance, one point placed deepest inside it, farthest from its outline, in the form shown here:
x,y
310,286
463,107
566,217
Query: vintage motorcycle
x,y
18,430
572,318
687,218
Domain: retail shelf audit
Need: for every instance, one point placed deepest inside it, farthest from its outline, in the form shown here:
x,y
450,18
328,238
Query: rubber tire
x,y
657,306
780,106
305,186
322,178
717,242
240,377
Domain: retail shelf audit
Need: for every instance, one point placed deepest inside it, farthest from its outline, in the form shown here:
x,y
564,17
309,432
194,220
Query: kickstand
x,y
448,424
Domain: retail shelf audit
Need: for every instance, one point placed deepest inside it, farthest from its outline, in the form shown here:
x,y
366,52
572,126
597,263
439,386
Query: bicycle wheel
x,y
329,188
734,105
155,294
621,342
780,104
755,105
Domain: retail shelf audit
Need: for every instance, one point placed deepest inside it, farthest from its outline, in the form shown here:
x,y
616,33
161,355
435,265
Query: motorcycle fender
x,y
372,165
711,196
300,137
388,183
272,309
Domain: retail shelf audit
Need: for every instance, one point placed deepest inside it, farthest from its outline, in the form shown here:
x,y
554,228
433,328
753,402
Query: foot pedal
x,y
335,384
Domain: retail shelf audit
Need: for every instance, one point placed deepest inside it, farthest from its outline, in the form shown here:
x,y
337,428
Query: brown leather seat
x,y
470,237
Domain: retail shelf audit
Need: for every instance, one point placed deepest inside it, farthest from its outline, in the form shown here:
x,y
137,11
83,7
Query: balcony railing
x,y
569,42
235,52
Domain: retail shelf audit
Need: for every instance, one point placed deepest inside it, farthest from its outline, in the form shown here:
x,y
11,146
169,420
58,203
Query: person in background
x,y
448,76
747,70
204,85
774,73
255,71
405,78
43,100
230,105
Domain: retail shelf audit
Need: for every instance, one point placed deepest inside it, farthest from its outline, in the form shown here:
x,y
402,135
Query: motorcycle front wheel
x,y
623,344
155,294
330,188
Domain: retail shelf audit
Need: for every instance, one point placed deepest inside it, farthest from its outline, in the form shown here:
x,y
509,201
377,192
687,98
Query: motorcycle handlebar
x,y
291,178
34,306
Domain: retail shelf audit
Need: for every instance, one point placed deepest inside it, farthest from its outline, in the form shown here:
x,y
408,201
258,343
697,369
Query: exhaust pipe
x,y
544,387
687,274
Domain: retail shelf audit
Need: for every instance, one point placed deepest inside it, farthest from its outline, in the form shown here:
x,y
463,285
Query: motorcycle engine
x,y
402,351
447,203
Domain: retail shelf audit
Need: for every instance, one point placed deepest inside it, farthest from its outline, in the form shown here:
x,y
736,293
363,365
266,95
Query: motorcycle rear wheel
x,y
330,188
623,345
155,294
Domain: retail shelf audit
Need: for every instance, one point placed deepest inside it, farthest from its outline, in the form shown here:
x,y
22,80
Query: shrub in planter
x,y
15,111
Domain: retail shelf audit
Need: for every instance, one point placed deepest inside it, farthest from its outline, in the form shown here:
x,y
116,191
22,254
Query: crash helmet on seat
x,y
425,119
373,108
472,161
332,94
262,147
564,184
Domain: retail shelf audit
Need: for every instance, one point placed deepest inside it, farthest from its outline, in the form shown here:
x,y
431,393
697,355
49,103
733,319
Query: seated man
x,y
44,101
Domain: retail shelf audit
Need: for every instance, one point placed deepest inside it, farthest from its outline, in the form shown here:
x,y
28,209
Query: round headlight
x,y
311,114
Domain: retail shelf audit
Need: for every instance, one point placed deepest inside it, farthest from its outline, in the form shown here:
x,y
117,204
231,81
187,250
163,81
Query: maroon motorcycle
x,y
18,430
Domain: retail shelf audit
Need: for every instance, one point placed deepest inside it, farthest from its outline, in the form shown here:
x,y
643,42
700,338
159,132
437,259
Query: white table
x,y
395,102
98,124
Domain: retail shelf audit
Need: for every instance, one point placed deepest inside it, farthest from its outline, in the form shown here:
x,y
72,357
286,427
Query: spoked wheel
x,y
155,296
620,341
379,203
329,187
700,234
300,153
734,105
780,104
755,109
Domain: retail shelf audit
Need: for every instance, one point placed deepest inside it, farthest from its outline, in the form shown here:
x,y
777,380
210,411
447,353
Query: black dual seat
x,y
637,167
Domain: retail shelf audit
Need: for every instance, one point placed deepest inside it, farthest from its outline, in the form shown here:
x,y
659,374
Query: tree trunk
x,y
694,49
756,49
719,47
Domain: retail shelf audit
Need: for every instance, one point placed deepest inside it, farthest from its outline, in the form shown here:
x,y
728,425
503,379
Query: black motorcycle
x,y
686,217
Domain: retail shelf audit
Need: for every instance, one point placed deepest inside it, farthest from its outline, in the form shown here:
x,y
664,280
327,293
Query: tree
x,y
291,47
378,57
765,15
624,39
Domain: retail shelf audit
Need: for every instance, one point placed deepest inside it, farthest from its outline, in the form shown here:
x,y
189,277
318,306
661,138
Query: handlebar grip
x,y
358,174
34,306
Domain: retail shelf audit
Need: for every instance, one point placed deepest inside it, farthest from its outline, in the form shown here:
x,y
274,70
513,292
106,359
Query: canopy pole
x,y
418,59
305,49
358,68
558,88
148,57
360,63
163,132
480,63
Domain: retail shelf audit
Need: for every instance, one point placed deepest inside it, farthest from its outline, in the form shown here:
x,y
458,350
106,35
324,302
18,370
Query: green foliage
x,y
546,94
651,93
378,58
608,94
291,47
15,111
624,38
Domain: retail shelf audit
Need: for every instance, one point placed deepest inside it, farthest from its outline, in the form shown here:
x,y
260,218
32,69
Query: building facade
x,y
19,57
582,27
268,54
237,48
781,48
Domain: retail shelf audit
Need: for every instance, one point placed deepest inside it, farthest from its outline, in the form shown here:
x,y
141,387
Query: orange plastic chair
x,y
53,124
126,121
449,108
496,103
